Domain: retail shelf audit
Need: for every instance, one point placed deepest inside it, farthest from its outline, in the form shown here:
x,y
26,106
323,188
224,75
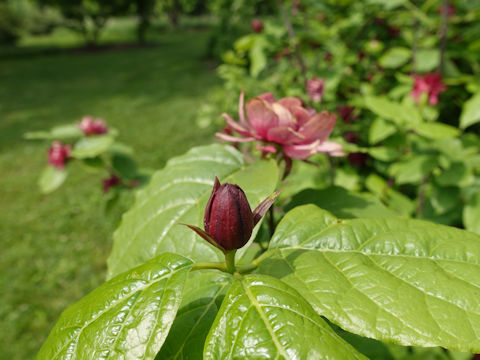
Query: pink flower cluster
x,y
90,126
58,154
284,124
315,89
431,84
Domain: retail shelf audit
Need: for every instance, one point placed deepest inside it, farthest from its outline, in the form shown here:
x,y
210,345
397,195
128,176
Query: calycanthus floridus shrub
x,y
299,284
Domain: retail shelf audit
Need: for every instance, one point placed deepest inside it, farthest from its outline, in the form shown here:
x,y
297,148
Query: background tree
x,y
89,16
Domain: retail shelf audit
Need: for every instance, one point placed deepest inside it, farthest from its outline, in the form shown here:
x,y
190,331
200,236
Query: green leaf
x,y
61,132
178,194
394,199
93,164
456,174
341,202
444,199
471,214
384,153
203,295
436,130
51,179
258,58
413,170
395,57
471,111
91,146
128,317
263,318
400,114
124,166
396,280
426,60
384,108
379,130
245,43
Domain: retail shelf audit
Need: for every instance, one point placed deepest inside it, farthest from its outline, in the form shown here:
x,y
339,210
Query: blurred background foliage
x,y
162,71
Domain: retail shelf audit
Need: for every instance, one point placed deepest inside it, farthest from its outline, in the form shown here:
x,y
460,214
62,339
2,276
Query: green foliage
x,y
264,317
404,281
128,316
56,246
471,112
178,194
203,295
10,24
341,202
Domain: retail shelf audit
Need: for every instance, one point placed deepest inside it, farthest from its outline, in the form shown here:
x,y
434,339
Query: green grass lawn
x,y
54,247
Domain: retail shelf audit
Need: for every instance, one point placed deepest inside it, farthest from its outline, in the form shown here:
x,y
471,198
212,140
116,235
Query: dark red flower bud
x,y
228,217
351,137
229,220
256,25
357,159
110,182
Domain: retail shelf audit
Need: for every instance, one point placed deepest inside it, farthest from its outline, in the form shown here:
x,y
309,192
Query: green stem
x,y
242,269
230,261
210,265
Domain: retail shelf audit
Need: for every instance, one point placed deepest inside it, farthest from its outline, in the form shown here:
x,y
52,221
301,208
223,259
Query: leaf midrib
x,y
106,310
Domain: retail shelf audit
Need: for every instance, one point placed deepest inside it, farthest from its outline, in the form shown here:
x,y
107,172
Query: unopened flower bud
x,y
229,220
228,217
256,25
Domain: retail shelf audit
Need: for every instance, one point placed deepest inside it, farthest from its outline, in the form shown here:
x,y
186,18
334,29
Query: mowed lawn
x,y
54,247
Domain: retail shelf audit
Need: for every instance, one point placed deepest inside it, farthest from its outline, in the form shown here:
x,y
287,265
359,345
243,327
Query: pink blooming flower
x,y
315,89
430,84
299,132
110,182
90,126
58,154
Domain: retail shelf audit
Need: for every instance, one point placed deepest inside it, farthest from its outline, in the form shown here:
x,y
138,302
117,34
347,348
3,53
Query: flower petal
x,y
284,135
266,149
236,126
301,152
268,97
301,115
263,207
331,148
285,117
290,102
261,116
233,138
319,127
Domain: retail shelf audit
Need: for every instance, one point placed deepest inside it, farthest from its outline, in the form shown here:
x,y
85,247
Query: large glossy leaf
x,y
341,202
128,317
406,281
178,194
263,318
203,295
